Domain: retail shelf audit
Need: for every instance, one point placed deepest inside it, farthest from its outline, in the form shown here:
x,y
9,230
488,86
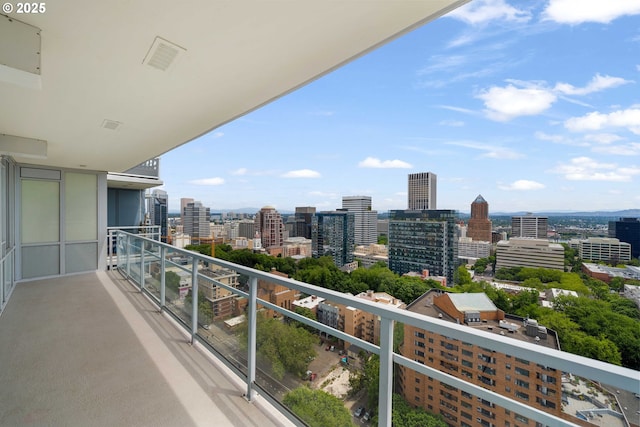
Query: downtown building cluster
x,y
426,242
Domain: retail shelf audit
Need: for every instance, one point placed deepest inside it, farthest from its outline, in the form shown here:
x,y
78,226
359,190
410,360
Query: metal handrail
x,y
619,377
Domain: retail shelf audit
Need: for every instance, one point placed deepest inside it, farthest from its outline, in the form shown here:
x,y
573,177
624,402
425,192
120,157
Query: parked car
x,y
367,416
359,412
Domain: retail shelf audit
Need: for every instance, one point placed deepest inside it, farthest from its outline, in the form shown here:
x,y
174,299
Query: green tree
x,y
318,408
462,276
285,347
172,281
404,415
371,379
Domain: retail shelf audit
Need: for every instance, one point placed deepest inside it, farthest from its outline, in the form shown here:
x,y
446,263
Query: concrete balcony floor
x,y
90,350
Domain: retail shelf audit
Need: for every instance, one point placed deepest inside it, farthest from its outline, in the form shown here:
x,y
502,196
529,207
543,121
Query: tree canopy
x,y
318,408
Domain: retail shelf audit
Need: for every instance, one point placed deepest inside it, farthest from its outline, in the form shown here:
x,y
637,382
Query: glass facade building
x,y
423,240
333,234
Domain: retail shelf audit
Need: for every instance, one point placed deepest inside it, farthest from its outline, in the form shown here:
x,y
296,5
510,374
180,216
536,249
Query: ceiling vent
x,y
162,54
111,124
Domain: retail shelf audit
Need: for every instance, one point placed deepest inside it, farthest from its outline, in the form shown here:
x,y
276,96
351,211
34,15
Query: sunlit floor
x,y
89,350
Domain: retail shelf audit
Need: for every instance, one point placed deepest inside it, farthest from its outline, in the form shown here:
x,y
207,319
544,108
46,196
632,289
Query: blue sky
x,y
533,104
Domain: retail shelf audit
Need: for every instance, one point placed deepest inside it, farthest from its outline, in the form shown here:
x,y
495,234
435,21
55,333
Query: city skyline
x,y
534,106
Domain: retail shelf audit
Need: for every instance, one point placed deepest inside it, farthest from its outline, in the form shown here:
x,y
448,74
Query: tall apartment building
x,y
157,208
332,234
366,220
196,221
518,379
270,226
303,218
536,253
627,230
479,228
422,191
604,249
529,225
423,240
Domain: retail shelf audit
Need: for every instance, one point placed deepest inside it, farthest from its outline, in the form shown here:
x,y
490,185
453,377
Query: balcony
x,y
125,342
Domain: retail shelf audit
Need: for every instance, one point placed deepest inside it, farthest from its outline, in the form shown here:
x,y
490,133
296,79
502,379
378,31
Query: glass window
x,y
40,211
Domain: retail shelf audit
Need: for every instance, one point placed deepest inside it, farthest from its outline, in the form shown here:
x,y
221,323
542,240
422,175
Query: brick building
x,y
515,378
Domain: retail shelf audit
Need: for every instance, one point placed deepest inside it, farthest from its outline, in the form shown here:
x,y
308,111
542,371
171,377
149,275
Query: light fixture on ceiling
x,y
23,147
19,53
162,54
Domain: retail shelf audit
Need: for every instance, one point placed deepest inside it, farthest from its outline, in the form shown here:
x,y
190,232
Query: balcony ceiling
x,y
238,56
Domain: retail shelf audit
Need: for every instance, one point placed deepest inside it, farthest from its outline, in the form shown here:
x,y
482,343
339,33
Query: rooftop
x,y
424,305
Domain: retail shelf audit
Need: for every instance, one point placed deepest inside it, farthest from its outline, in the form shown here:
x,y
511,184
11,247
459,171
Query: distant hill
x,y
630,213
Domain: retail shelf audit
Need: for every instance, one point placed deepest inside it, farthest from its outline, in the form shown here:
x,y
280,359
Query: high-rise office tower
x,y
332,234
157,205
366,220
183,204
479,228
422,191
303,217
196,220
627,230
529,225
270,226
423,240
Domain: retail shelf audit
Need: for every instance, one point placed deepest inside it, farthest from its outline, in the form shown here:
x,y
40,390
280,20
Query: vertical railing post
x,y
385,386
251,347
128,243
141,265
194,298
109,249
163,265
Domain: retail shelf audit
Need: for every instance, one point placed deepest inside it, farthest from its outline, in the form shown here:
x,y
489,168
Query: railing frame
x,y
613,375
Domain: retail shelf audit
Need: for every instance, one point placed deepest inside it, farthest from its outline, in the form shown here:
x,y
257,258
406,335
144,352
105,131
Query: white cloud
x,y
490,151
629,119
596,84
457,109
240,171
506,103
208,181
452,123
522,185
603,138
302,173
529,98
481,12
372,162
216,135
579,11
632,149
587,169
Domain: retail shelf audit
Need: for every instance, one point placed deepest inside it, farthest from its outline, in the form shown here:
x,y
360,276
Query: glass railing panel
x,y
459,374
152,270
178,279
